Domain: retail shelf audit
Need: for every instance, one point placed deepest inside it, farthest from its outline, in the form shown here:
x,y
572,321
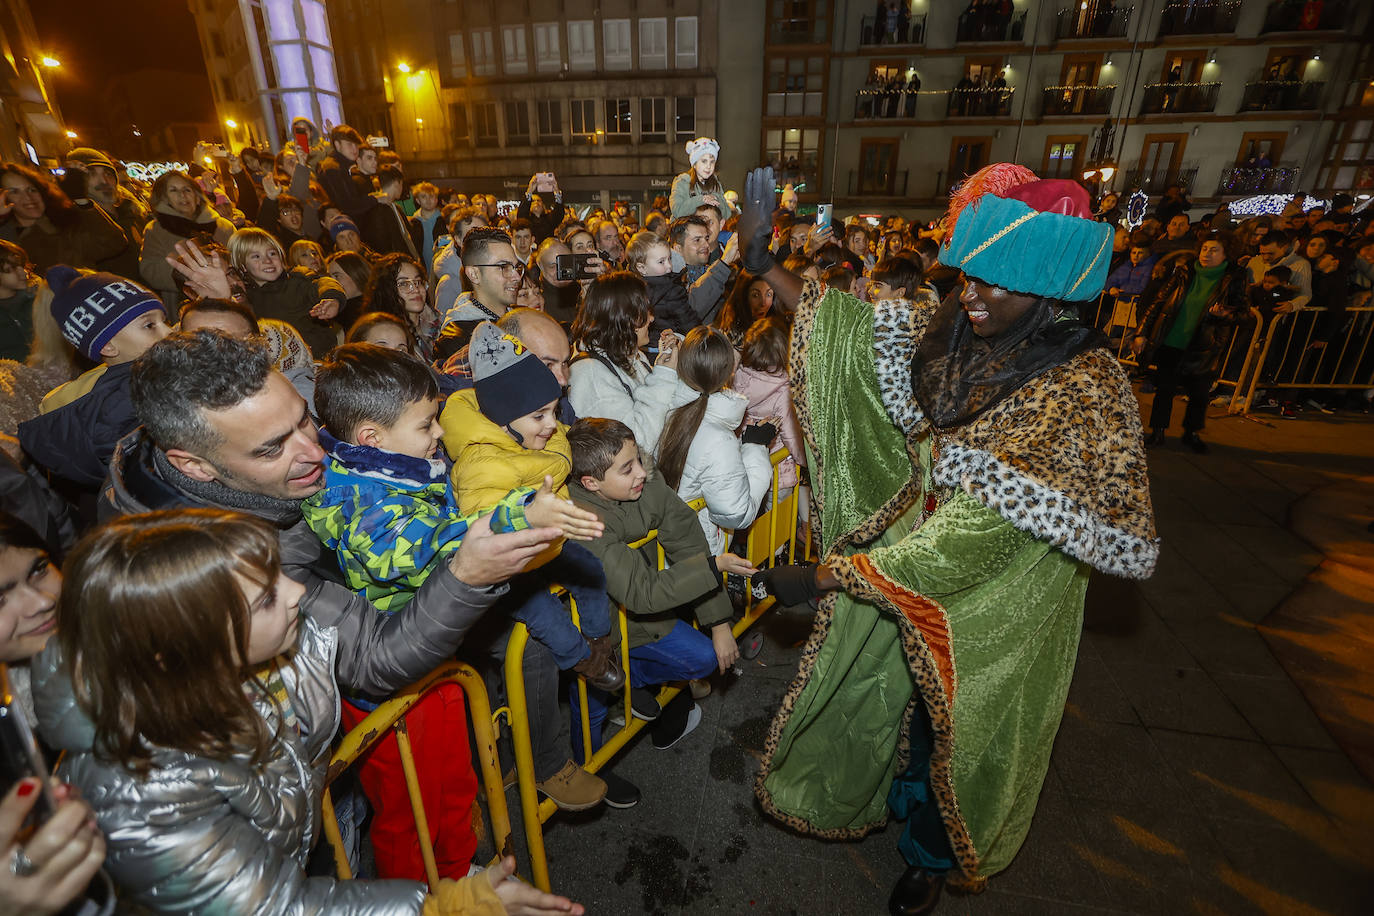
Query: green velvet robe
x,y
964,557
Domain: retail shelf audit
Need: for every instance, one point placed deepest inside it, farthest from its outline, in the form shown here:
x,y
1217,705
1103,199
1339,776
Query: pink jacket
x,y
769,396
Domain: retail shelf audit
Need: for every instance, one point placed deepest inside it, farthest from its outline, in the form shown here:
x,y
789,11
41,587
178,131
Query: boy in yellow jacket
x,y
503,434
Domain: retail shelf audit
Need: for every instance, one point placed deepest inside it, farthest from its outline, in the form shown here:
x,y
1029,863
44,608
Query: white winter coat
x,y
733,477
599,388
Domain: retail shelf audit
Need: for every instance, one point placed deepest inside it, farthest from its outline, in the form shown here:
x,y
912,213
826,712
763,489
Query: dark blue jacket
x,y
75,441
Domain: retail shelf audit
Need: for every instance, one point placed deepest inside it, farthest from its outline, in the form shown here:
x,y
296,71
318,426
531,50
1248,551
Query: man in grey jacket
x,y
223,429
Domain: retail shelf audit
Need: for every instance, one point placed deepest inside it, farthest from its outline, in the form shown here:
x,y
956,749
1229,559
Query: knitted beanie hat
x,y
702,146
1036,238
341,225
509,380
91,308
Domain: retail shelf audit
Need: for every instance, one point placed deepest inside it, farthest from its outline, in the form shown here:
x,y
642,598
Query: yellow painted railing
x,y
391,716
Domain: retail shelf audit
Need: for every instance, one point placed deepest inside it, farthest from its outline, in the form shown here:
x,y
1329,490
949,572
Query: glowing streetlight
x,y
71,135
52,63
419,120
403,67
231,124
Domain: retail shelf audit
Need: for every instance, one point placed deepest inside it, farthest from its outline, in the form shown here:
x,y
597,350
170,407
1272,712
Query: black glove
x,y
792,585
755,225
762,434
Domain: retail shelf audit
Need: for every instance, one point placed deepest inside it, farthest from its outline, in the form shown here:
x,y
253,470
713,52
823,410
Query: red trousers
x,y
438,731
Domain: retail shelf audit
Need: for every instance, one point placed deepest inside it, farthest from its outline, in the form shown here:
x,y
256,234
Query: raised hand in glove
x,y
755,226
759,433
791,585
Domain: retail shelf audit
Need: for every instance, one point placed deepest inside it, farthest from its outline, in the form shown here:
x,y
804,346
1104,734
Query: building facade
x,y
884,107
269,61
31,127
478,95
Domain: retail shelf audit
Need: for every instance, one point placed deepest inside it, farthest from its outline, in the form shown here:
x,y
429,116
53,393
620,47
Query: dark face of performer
x,y
992,309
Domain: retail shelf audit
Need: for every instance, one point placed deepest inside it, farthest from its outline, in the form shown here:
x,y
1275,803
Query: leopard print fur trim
x,y
929,689
1046,513
896,336
799,347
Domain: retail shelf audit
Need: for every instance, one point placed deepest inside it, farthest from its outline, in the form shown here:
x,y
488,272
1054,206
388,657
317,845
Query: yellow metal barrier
x,y
765,537
390,715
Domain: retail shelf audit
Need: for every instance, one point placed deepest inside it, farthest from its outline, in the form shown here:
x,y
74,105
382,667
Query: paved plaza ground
x,y
1216,755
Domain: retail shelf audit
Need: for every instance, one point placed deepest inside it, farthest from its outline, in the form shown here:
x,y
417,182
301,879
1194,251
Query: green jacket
x,y
653,598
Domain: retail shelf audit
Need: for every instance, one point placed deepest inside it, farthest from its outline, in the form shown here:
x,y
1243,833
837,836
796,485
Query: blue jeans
x,y
684,654
579,571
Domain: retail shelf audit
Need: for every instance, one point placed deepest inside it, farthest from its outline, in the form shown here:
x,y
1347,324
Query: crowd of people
x,y
297,430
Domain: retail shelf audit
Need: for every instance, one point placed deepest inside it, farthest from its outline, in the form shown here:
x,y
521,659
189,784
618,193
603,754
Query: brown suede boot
x,y
601,668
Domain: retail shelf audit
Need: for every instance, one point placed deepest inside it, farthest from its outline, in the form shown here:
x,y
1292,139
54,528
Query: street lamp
x,y
403,67
231,124
71,135
52,63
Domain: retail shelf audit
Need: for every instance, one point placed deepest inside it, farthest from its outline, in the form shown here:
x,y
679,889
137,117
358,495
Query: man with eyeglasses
x,y
92,174
492,275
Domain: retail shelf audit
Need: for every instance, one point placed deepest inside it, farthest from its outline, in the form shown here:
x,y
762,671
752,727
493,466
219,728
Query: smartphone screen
x,y
303,141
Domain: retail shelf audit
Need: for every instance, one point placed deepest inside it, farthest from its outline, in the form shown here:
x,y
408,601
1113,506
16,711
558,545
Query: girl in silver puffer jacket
x,y
200,722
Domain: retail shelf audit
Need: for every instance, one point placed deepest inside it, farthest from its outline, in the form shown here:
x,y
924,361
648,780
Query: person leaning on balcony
x,y
1180,330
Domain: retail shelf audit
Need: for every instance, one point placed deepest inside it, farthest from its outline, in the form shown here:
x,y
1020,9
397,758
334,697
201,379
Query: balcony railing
x,y
988,23
1281,95
1306,16
871,103
1154,181
880,30
1199,17
1077,100
864,185
1238,179
1093,20
1167,98
978,103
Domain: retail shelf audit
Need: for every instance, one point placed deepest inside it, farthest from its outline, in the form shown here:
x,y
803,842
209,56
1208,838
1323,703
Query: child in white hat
x,y
700,184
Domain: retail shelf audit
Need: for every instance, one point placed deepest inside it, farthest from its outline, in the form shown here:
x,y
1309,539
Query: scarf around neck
x,y
957,375
281,512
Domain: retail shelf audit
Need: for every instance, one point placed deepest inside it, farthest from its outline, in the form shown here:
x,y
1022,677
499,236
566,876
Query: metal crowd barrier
x,y
1294,356
391,716
772,530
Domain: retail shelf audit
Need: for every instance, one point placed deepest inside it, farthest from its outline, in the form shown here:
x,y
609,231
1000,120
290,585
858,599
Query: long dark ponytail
x,y
706,362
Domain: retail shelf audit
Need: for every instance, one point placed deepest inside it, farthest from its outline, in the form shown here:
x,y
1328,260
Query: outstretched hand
x,y
756,220
548,510
486,558
205,275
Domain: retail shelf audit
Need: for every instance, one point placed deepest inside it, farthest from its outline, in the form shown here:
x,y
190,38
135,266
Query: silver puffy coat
x,y
209,836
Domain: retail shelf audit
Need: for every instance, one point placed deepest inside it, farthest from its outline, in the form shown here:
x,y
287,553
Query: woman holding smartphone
x,y
48,866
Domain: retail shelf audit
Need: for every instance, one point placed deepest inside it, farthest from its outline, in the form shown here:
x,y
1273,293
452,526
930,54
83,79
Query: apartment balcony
x,y
1240,180
1199,17
880,184
1076,100
1155,180
799,31
877,30
1282,95
1092,20
1179,98
877,104
978,103
1304,16
986,23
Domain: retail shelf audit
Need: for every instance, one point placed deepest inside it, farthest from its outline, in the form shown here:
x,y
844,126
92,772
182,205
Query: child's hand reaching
x,y
325,309
667,350
729,562
549,511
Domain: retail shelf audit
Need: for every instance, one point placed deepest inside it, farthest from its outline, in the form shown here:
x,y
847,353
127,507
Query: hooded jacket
x,y
75,438
378,653
732,476
204,835
488,464
653,597
770,396
390,518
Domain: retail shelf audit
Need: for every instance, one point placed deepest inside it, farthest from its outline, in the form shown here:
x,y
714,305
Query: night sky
x,y
98,40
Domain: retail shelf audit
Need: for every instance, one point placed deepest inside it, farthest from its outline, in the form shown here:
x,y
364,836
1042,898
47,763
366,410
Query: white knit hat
x,y
702,146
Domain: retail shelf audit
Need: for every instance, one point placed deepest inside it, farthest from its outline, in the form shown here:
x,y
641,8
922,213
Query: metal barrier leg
x,y
417,802
484,737
524,756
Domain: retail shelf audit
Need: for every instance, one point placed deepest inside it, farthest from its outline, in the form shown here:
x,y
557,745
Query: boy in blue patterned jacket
x,y
388,512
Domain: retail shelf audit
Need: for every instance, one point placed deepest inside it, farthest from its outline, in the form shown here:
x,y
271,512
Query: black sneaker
x,y
620,793
643,705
